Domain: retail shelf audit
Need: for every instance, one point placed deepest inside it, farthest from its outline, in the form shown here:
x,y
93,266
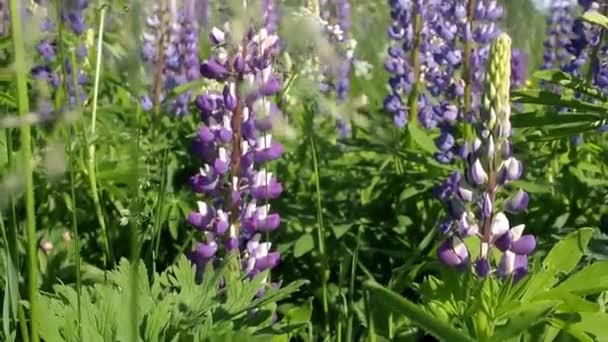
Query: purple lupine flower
x,y
559,29
335,16
235,160
445,29
519,68
176,32
72,15
490,167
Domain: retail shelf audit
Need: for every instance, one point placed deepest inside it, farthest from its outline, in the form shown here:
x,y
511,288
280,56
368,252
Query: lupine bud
x,y
477,173
500,225
482,267
512,169
486,206
517,202
497,83
453,253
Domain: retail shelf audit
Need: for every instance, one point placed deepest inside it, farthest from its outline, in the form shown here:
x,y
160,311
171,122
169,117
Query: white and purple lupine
x,y
170,49
575,46
335,16
439,53
473,201
235,144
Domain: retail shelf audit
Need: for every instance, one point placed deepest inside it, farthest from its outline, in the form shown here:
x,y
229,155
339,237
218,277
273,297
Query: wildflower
x,y
170,49
490,165
235,144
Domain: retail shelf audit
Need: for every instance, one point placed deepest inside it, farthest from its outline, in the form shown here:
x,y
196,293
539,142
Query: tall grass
x,y
26,164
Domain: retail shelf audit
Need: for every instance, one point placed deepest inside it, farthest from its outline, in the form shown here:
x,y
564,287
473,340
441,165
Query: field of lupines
x,y
303,170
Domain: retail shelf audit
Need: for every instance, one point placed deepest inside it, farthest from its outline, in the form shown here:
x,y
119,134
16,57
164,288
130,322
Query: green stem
x,y
321,234
73,196
413,96
351,290
371,330
76,236
27,168
133,239
159,209
92,165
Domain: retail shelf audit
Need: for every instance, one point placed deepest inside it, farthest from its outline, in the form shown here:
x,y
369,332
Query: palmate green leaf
x,y
566,328
8,101
537,187
158,320
568,131
439,329
539,119
570,302
595,17
304,244
543,97
567,253
297,314
591,279
275,295
422,139
524,317
566,80
585,326
415,189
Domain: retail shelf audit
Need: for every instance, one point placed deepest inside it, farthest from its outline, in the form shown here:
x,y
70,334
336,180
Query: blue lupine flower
x,y
490,166
234,171
336,18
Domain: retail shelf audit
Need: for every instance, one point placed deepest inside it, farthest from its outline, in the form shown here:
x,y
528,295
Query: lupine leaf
x,y
534,188
591,279
596,17
275,295
566,254
524,317
571,302
439,329
538,119
571,330
543,97
298,314
304,244
422,139
561,78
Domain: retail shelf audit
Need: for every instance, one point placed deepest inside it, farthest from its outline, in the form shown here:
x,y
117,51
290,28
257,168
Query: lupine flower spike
x,y
335,17
235,144
473,201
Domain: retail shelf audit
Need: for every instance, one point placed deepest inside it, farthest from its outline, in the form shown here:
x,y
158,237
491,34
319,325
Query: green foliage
x,y
500,311
173,307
